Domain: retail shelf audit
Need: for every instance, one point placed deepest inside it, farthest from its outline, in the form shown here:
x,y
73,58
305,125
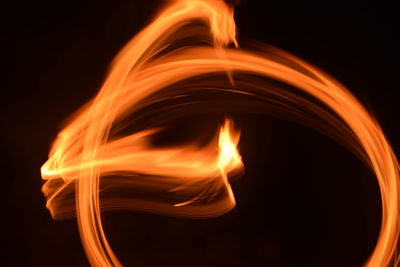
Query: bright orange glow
x,y
228,140
186,54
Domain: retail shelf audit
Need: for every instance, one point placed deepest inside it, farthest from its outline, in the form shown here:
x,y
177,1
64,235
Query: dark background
x,y
303,201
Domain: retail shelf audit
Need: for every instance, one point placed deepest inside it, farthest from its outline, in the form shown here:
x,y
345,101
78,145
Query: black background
x,y
303,201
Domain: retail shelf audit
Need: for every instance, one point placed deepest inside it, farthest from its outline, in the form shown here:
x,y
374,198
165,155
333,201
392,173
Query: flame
x,y
175,66
228,140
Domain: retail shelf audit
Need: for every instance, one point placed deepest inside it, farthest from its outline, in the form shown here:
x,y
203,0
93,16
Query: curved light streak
x,y
174,67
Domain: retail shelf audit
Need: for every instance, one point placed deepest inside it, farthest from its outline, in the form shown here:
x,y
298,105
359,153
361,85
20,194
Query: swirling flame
x,y
89,156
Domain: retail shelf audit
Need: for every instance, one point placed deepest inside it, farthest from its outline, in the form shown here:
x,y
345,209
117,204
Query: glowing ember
x,y
92,154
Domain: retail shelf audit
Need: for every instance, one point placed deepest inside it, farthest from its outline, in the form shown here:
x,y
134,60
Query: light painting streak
x,y
175,67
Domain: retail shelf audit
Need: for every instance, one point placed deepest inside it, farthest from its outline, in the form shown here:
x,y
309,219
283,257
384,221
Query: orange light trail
x,y
191,49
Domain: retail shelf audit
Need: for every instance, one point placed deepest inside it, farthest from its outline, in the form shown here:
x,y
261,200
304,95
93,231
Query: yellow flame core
x,y
87,158
228,140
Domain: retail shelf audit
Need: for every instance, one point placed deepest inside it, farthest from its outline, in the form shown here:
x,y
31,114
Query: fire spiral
x,y
188,58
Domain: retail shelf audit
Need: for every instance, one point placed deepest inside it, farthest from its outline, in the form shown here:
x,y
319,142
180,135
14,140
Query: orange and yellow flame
x,y
176,59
